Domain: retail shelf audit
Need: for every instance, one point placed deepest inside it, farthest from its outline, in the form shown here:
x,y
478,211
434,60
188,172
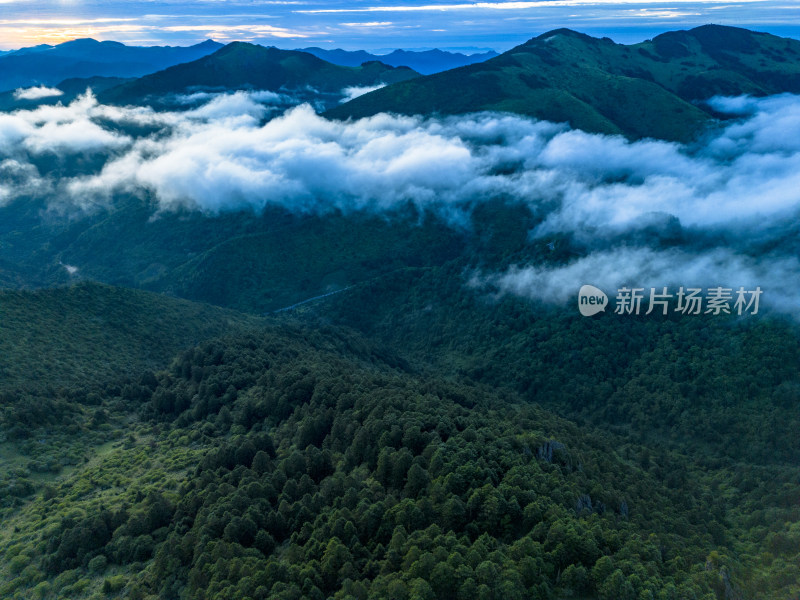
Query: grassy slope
x,y
64,352
643,90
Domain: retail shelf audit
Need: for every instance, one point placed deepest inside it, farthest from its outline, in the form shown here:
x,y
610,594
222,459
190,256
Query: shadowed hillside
x,y
247,66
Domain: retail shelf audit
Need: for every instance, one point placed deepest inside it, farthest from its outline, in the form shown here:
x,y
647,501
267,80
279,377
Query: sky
x,y
374,24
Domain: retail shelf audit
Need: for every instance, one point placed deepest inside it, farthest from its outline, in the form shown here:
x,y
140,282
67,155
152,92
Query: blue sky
x,y
374,24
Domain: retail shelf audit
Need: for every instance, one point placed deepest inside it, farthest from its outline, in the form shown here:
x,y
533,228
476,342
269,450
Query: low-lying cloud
x,y
647,268
721,212
37,93
350,93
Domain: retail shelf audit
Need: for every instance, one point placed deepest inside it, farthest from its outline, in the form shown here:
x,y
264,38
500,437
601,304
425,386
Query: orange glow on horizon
x,y
20,37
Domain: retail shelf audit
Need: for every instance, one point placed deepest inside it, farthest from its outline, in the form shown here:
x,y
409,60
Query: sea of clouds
x,y
733,198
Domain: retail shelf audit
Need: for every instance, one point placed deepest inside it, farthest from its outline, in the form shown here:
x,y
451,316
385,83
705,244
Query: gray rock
x,y
546,450
584,503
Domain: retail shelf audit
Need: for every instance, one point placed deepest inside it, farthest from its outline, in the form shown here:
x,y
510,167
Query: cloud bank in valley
x,y
732,202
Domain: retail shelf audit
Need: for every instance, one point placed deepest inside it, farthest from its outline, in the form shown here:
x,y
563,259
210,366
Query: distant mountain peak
x,y
422,61
565,32
729,29
233,48
725,37
240,44
712,38
238,47
370,63
81,42
434,52
561,31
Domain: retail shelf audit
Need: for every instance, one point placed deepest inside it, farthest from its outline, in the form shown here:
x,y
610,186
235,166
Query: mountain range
x,y
654,89
49,65
422,61
241,65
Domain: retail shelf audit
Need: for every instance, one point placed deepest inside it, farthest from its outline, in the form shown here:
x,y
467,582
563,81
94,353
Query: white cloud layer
x,y
729,197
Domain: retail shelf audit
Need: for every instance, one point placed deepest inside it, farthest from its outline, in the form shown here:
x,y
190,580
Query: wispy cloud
x,y
37,93
222,32
349,93
515,6
647,268
369,24
65,21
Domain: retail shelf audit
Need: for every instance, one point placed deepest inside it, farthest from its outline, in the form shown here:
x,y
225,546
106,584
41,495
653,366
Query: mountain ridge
x,y
86,57
425,62
240,65
651,89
